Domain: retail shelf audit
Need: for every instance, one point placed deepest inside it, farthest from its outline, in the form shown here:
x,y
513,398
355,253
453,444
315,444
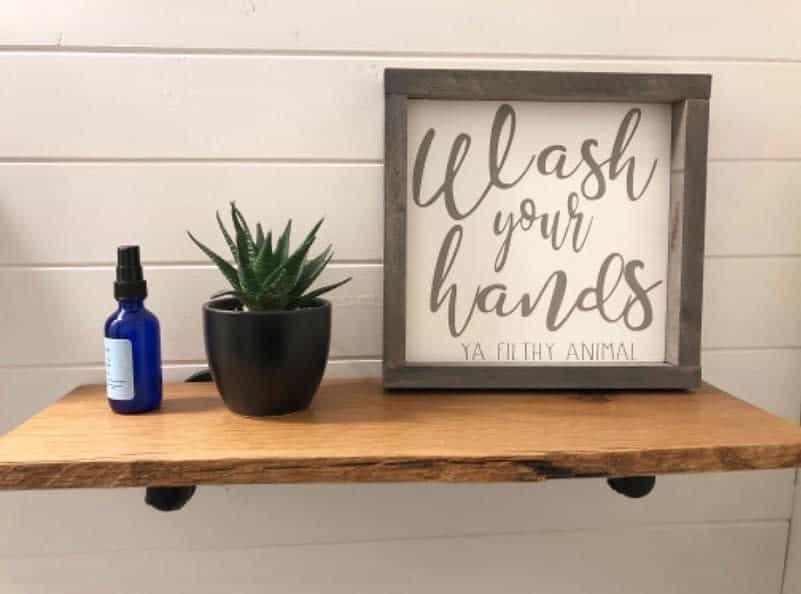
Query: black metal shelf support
x,y
634,487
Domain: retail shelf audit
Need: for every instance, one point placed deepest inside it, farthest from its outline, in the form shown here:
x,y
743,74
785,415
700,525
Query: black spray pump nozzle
x,y
130,283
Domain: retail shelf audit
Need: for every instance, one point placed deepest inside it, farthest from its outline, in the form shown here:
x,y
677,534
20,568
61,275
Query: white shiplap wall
x,y
130,122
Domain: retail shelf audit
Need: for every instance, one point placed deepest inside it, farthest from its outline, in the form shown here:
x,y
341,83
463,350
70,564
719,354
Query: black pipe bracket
x,y
634,487
169,499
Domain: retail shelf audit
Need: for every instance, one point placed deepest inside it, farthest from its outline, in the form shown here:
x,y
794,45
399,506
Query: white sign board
x,y
536,232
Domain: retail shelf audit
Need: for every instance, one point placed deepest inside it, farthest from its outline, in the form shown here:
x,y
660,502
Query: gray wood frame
x,y
689,96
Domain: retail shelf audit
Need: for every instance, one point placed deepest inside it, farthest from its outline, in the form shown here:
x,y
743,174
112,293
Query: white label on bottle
x,y
119,369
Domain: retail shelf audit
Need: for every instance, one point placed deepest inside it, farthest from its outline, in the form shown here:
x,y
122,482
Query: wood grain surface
x,y
355,432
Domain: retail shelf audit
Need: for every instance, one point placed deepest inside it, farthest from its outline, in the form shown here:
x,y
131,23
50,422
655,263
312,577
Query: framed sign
x,y
544,229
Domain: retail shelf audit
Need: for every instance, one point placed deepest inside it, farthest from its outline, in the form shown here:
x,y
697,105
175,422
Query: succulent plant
x,y
268,277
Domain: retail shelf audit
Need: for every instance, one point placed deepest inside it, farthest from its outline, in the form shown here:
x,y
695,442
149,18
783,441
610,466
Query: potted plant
x,y
267,337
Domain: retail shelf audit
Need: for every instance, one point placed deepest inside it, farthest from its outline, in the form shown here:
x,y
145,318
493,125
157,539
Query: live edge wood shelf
x,y
355,432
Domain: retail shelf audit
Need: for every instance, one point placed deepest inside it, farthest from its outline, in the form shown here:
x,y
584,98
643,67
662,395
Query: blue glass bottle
x,y
132,342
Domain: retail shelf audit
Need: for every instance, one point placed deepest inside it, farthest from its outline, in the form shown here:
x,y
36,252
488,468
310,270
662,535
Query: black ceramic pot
x,y
266,363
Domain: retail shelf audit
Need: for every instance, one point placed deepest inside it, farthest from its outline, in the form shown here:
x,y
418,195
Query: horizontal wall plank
x,y
751,302
753,208
89,199
747,303
616,27
244,516
713,559
767,378
175,106
66,308
83,197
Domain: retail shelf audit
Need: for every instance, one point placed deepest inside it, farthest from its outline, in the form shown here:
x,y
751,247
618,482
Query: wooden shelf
x,y
354,432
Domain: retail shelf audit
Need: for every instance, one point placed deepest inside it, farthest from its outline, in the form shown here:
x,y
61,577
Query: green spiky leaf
x,y
247,278
282,245
226,293
268,283
308,298
241,225
294,265
227,236
228,271
311,270
264,259
268,277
